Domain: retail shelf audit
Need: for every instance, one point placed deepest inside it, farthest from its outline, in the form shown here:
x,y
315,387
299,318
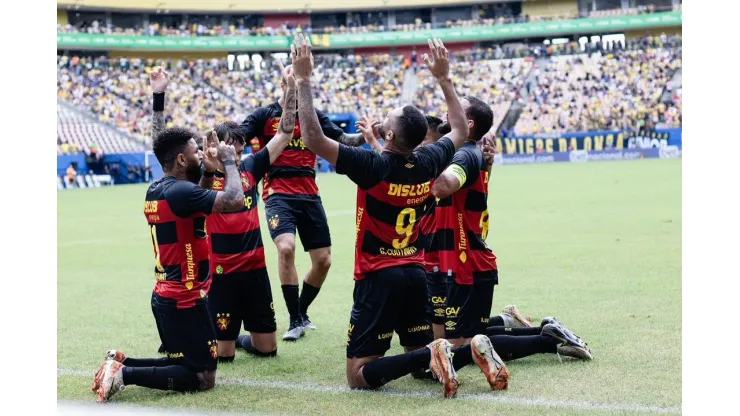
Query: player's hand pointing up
x,y
440,67
159,79
300,54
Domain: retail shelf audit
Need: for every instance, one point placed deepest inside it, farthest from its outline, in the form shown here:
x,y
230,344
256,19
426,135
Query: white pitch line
x,y
499,397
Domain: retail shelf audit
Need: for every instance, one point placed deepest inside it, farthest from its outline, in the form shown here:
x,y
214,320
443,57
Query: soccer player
x,y
176,209
292,202
462,229
241,291
393,196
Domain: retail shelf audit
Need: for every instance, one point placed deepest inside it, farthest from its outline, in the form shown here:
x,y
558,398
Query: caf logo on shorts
x,y
222,320
219,269
274,221
213,348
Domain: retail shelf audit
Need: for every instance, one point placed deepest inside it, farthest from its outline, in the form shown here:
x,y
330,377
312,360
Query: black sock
x,y
308,294
502,330
463,356
225,359
496,321
146,362
245,341
381,371
290,294
511,348
173,377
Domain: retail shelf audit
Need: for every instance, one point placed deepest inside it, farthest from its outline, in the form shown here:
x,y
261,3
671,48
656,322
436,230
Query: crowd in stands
x,y
617,85
611,89
488,15
496,82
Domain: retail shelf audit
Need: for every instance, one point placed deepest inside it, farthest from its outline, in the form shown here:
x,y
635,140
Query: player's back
x,y
293,174
179,239
462,219
393,198
236,240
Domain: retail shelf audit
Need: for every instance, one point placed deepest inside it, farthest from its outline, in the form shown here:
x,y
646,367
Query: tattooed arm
x,y
232,197
313,135
287,122
352,139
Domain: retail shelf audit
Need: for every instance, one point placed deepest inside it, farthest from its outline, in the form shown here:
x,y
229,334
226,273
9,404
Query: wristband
x,y
158,101
208,174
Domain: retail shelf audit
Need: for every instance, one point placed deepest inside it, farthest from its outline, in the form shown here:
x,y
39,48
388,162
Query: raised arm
x,y
158,79
313,136
440,68
287,122
352,139
232,197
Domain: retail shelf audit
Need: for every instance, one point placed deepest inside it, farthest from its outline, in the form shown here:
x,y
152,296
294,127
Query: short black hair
x,y
433,122
169,143
234,131
413,126
481,114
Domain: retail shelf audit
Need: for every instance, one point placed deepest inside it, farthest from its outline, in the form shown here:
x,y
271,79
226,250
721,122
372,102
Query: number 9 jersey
x,y
393,197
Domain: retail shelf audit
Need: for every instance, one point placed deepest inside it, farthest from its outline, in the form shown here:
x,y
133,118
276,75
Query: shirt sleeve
x,y
330,129
186,198
469,166
256,163
362,166
436,156
254,123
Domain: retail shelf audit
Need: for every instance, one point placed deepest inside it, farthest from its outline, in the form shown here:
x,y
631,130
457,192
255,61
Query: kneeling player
x,y
176,210
241,291
462,219
393,196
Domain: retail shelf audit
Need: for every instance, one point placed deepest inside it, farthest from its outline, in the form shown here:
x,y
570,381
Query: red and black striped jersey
x,y
236,241
176,212
293,174
429,227
393,198
462,220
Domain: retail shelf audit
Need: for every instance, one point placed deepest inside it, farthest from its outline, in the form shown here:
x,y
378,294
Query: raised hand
x,y
159,79
300,54
226,152
368,128
287,74
440,67
210,153
488,147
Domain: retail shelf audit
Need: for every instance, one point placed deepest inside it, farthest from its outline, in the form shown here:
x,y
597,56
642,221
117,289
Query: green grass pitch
x,y
598,245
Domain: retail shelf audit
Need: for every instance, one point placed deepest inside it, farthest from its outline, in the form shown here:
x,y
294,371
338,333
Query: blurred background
x,y
560,75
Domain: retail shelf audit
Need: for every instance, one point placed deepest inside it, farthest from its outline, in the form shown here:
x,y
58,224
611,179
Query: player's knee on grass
x,y
355,380
226,349
265,343
207,380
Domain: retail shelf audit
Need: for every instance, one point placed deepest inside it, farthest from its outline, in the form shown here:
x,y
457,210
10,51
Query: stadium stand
x,y
611,85
611,90
494,81
79,133
237,25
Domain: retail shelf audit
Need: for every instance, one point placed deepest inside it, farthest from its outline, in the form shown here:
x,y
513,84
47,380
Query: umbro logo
x,y
409,165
